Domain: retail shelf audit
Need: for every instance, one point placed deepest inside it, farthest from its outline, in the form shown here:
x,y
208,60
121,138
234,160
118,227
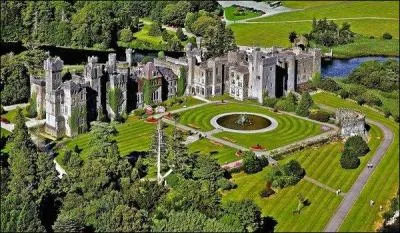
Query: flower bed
x,y
151,120
257,147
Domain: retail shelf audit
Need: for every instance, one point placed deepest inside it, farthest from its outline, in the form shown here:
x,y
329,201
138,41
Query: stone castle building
x,y
115,88
351,123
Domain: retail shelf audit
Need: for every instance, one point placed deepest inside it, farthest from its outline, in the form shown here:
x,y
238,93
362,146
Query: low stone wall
x,y
280,153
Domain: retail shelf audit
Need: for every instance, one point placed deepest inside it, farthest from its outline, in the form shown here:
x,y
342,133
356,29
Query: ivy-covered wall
x,y
147,92
181,82
115,98
77,113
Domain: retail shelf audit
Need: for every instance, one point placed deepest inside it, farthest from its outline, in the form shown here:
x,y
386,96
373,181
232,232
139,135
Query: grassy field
x,y
133,136
274,30
222,153
10,115
229,14
390,100
323,164
342,9
290,129
281,205
384,182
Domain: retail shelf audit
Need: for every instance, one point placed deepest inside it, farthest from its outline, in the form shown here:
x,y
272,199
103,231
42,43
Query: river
x,y
343,67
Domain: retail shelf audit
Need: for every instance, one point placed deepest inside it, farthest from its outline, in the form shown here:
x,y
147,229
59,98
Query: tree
x,y
248,213
387,36
329,85
349,161
161,54
252,163
218,40
155,29
174,14
181,82
292,37
125,35
304,105
180,35
356,146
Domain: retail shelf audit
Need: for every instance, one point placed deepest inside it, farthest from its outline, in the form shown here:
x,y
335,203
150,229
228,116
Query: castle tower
x,y
291,79
53,68
317,60
112,63
191,63
129,58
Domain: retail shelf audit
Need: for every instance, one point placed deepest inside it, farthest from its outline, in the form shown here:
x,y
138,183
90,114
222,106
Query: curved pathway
x,y
347,203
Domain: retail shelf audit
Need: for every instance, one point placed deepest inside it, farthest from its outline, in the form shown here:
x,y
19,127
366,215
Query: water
x,y
72,56
252,122
343,67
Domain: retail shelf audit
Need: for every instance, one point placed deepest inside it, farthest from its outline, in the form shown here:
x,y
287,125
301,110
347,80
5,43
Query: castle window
x,y
258,77
270,68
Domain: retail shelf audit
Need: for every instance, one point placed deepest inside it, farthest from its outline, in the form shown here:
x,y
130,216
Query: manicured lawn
x,y
133,136
307,4
290,129
222,153
281,205
10,115
229,14
323,164
383,184
343,9
190,101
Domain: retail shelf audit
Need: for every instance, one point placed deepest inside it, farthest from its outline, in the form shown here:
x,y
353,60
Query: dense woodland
x,y
102,24
107,192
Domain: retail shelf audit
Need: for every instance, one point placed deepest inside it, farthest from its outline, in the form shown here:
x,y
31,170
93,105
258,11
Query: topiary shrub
x,y
356,146
319,115
349,161
387,112
252,163
288,174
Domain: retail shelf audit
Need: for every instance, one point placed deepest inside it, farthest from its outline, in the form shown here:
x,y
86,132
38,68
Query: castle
x,y
351,122
115,88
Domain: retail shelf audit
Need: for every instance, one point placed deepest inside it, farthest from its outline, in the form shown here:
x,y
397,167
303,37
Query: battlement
x,y
93,60
53,64
345,115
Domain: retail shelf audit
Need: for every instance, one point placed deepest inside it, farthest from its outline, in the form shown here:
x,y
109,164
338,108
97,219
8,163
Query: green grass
x,y
224,154
229,14
322,163
383,184
133,135
390,100
290,129
190,101
72,68
10,115
343,9
281,205
274,31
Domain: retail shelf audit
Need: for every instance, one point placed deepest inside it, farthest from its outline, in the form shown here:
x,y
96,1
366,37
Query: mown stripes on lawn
x,y
224,154
383,183
290,129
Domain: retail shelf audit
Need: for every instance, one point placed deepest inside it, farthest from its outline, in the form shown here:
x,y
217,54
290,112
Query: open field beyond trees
x,y
383,184
367,18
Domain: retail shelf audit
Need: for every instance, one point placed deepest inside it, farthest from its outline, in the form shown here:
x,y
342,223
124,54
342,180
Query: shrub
x,y
344,94
252,163
294,169
360,100
165,35
2,111
161,55
180,35
267,192
225,184
320,116
396,117
356,90
387,36
356,146
270,102
125,35
371,99
387,112
329,85
139,112
348,161
288,174
316,79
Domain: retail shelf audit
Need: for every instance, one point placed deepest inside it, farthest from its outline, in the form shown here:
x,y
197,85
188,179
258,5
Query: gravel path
x,y
355,191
